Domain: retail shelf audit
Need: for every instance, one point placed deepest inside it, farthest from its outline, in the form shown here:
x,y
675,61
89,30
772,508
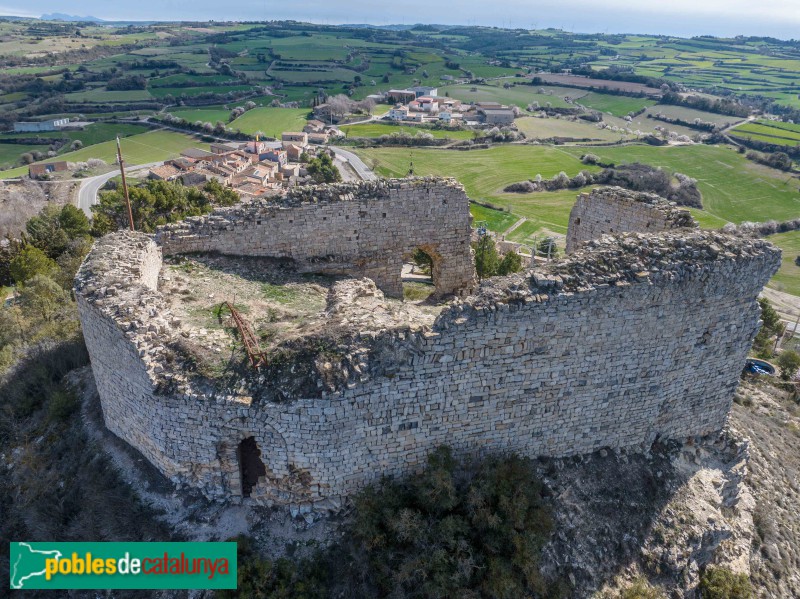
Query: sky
x,y
777,18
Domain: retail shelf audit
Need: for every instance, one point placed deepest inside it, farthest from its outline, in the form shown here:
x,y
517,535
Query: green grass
x,y
764,131
484,174
210,114
496,220
378,129
102,95
690,114
93,134
788,277
148,147
734,189
160,92
10,154
547,128
271,121
416,291
520,95
616,105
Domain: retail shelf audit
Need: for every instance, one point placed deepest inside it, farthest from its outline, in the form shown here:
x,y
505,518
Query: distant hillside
x,y
59,16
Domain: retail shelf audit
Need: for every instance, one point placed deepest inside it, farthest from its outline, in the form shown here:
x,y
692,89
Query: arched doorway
x,y
418,275
251,468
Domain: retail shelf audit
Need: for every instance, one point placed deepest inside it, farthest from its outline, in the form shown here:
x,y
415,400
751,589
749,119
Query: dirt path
x,y
513,227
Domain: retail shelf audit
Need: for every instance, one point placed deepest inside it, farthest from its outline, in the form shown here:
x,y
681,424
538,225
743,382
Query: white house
x,y
398,113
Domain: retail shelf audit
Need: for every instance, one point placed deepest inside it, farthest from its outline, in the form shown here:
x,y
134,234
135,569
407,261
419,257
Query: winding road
x,y
358,165
90,187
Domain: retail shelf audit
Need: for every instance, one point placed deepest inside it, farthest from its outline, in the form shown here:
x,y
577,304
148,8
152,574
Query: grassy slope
x,y
788,277
10,153
521,95
378,129
271,121
538,128
485,173
137,149
616,105
734,189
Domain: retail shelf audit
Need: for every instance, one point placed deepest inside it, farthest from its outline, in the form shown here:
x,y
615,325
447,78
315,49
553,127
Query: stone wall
x,y
630,339
362,229
610,210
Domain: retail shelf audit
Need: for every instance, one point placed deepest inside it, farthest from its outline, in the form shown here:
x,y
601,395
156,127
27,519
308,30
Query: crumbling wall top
x,y
621,260
675,215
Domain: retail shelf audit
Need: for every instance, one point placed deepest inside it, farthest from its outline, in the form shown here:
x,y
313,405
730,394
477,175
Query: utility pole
x,y
124,184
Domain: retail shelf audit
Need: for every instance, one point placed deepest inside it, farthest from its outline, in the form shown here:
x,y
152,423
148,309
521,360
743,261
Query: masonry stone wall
x,y
630,339
610,210
362,229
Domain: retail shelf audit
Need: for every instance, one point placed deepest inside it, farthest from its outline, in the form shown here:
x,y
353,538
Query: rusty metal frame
x,y
254,353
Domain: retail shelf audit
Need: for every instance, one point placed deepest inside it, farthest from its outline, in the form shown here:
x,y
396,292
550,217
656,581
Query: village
x,y
262,168
254,168
422,104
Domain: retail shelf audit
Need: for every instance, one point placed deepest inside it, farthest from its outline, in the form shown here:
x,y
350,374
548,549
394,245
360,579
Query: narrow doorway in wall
x,y
250,465
417,276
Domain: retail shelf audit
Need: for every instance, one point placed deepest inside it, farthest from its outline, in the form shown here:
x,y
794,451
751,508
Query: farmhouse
x,y
48,125
401,95
165,172
275,155
37,170
398,113
423,90
496,116
296,138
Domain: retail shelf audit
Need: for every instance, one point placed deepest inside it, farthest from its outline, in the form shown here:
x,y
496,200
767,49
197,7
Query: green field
x,y
616,105
734,189
690,114
271,121
548,128
496,220
377,129
10,153
148,147
520,95
484,174
207,114
101,95
783,134
788,277
93,134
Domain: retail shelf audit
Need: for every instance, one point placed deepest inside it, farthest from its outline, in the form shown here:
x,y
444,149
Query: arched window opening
x,y
417,276
250,465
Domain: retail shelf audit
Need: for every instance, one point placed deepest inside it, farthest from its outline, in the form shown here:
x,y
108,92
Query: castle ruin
x,y
363,230
629,339
613,210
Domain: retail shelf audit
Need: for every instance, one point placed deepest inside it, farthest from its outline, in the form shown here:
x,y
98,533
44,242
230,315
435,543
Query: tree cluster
x,y
157,203
771,327
490,263
323,170
457,530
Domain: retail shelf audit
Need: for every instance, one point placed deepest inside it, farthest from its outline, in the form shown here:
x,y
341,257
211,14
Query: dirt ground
x,y
20,200
278,303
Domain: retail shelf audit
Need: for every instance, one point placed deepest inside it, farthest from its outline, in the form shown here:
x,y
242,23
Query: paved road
x,y
87,194
358,165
